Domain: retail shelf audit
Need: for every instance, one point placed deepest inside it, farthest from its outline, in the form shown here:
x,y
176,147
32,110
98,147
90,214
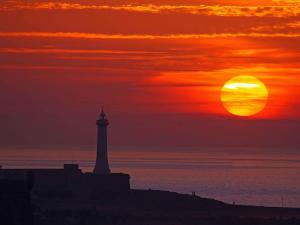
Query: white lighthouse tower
x,y
102,166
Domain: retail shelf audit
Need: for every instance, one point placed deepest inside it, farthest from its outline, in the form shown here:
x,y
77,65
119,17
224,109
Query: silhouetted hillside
x,y
149,207
165,200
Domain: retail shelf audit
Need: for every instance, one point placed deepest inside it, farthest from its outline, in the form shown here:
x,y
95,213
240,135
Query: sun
x,y
244,96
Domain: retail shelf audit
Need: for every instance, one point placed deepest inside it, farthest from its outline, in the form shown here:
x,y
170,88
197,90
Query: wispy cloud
x,y
201,9
71,51
144,36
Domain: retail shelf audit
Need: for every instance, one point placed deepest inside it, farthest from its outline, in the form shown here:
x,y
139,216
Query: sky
x,y
157,66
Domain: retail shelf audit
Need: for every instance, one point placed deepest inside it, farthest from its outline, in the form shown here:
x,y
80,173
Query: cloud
x,y
69,51
151,21
78,35
200,9
155,55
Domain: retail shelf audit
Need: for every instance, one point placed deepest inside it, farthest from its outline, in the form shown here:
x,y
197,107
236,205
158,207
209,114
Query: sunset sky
x,y
158,67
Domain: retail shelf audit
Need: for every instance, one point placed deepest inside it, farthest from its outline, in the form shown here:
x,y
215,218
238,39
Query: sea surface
x,y
267,177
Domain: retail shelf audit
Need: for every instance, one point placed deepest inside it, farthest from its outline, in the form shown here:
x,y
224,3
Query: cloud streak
x,y
202,9
78,35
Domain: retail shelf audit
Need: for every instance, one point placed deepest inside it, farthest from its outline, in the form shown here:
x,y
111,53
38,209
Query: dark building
x,y
15,202
70,181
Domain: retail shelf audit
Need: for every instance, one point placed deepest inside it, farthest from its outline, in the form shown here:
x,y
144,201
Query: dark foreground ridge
x,y
160,207
21,205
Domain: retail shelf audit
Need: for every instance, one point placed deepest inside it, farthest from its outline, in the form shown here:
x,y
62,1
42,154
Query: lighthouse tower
x,y
102,166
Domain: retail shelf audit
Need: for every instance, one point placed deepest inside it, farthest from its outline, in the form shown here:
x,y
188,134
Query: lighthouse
x,y
102,166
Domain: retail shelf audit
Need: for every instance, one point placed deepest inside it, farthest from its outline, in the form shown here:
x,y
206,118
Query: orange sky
x,y
62,60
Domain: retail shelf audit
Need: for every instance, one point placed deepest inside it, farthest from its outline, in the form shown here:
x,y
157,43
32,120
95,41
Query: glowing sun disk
x,y
244,96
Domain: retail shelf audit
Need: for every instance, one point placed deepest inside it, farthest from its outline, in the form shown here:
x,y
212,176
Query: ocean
x,y
249,176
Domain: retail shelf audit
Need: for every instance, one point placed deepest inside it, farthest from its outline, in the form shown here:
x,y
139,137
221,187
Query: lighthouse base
x,y
69,182
102,170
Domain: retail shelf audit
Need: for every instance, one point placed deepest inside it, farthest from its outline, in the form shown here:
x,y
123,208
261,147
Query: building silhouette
x,y
70,181
15,202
